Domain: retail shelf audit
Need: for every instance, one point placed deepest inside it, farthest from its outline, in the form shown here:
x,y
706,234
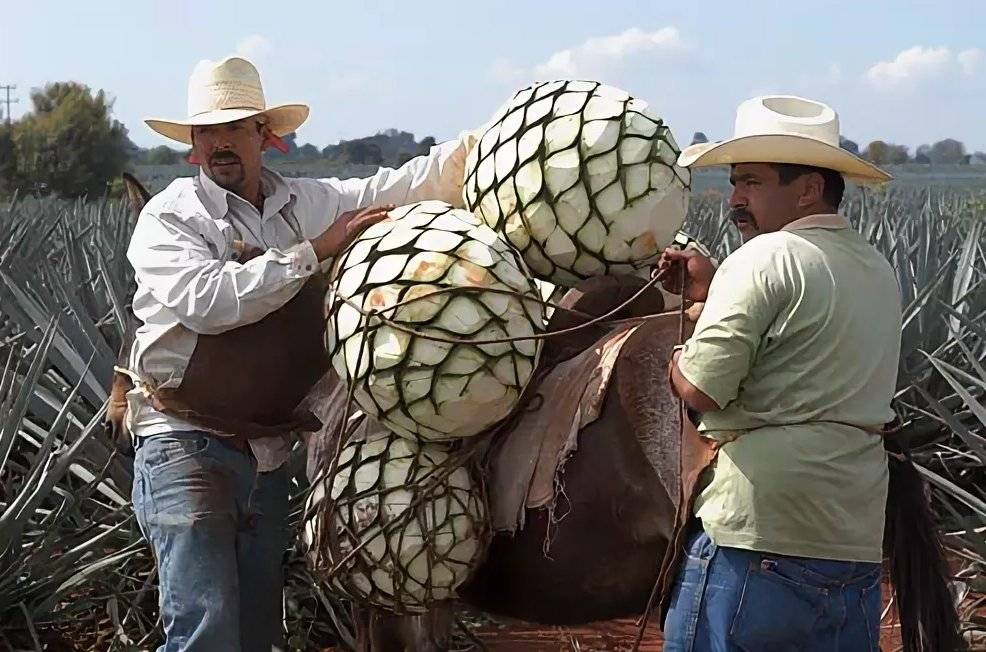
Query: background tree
x,y
848,145
948,152
162,155
9,178
308,151
882,153
698,138
70,144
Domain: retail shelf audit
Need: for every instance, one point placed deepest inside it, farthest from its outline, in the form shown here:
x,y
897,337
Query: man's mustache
x,y
223,157
737,214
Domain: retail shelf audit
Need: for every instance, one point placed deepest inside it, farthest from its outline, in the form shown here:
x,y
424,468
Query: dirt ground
x,y
616,635
609,635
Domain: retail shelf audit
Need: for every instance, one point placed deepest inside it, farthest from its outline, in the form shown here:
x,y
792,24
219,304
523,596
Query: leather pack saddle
x,y
250,381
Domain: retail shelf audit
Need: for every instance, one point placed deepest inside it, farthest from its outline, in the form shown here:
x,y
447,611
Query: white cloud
x,y
591,58
910,67
631,41
970,60
559,64
254,47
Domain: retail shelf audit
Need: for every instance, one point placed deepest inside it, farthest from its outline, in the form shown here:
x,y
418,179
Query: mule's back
x,y
596,554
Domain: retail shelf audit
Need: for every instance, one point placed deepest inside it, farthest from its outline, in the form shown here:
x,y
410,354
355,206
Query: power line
x,y
8,101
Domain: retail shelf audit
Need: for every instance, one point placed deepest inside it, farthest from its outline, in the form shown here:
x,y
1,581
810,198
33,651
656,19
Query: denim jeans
x,y
727,600
219,532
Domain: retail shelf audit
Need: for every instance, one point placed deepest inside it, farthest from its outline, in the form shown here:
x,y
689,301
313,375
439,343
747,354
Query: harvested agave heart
x,y
414,514
441,272
581,178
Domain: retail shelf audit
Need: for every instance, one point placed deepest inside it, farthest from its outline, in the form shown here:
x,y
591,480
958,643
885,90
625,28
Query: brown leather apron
x,y
249,381
697,453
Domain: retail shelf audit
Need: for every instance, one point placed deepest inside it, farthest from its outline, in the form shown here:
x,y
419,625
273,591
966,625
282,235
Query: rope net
x,y
404,524
581,178
429,318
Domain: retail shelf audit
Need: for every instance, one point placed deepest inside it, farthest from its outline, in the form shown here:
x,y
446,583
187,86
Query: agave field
x,y
74,571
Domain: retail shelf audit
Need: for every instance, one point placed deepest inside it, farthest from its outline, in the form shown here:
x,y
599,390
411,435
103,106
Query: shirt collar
x,y
272,185
832,221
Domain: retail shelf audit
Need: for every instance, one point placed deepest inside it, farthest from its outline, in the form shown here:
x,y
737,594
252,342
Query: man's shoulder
x,y
766,250
178,198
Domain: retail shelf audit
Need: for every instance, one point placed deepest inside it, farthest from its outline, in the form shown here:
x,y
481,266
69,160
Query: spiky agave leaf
x,y
442,273
581,178
51,530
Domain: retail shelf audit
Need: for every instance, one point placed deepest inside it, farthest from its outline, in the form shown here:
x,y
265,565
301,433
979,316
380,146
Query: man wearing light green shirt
x,y
792,367
800,335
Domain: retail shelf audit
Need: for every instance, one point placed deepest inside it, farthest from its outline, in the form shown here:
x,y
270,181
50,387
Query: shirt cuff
x,y
304,263
694,376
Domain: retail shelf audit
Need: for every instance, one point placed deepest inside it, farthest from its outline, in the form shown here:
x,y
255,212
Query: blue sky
x,y
908,72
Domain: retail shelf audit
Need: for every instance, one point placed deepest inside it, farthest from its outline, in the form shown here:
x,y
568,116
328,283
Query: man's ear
x,y
812,190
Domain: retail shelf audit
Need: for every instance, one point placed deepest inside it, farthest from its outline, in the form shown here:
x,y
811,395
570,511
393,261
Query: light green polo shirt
x,y
801,326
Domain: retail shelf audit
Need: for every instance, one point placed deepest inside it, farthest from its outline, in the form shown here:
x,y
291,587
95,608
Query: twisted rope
x,y
600,320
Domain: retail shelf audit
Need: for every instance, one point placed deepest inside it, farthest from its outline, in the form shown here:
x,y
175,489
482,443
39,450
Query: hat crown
x,y
787,115
232,83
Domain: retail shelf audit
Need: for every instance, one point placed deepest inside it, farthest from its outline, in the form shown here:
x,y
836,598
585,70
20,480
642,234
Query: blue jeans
x,y
219,532
728,600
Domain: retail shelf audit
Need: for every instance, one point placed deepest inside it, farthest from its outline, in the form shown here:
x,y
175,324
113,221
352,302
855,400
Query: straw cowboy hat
x,y
784,129
226,91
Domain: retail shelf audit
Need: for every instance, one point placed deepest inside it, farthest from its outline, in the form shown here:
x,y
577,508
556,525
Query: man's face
x,y
230,153
759,203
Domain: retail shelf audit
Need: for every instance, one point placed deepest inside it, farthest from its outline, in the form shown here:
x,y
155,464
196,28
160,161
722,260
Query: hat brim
x,y
282,120
782,148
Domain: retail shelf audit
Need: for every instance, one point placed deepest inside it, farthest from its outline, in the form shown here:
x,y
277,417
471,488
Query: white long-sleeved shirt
x,y
189,283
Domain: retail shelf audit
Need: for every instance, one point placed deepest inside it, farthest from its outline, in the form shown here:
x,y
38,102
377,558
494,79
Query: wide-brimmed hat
x,y
226,91
784,129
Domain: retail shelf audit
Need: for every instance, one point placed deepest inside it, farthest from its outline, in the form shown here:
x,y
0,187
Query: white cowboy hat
x,y
226,91
784,129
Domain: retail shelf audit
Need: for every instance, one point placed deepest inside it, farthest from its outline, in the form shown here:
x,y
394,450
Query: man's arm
x,y
210,296
693,397
744,298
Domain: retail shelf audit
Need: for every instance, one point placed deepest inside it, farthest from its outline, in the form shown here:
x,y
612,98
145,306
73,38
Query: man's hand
x,y
699,271
346,229
245,252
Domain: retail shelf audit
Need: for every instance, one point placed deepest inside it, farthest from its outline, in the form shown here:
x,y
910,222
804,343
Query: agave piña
x,y
410,512
581,178
441,272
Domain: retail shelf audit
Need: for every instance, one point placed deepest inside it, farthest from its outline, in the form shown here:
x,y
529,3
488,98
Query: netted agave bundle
x,y
406,522
437,279
581,178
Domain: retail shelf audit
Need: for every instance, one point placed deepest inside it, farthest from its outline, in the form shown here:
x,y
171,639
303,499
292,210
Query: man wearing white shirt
x,y
213,253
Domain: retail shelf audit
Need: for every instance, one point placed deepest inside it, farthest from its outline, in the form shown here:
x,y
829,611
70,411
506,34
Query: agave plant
x,y
68,541
75,572
581,178
407,299
72,564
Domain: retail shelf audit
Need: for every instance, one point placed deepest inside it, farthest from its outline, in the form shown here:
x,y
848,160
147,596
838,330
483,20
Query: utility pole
x,y
8,101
